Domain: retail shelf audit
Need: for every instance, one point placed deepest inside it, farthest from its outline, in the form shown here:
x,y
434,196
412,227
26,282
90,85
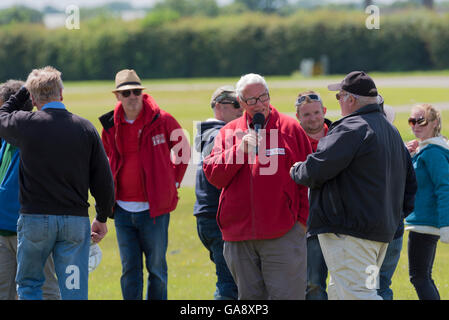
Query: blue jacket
x,y
431,165
9,193
207,196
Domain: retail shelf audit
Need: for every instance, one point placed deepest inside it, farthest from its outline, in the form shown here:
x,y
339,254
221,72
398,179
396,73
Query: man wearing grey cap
x,y
357,185
226,108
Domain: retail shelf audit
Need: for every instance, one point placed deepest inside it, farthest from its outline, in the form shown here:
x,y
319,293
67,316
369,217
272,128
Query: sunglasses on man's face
x,y
127,93
313,97
422,122
341,95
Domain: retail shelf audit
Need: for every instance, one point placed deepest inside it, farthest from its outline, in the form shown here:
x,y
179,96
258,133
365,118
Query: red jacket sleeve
x,y
304,149
223,163
180,147
106,143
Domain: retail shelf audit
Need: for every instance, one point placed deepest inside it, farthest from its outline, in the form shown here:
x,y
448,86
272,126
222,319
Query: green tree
x,y
160,16
267,6
20,14
189,7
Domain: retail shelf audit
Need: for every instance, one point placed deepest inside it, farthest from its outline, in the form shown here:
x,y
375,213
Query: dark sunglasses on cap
x,y
235,104
127,93
313,97
422,122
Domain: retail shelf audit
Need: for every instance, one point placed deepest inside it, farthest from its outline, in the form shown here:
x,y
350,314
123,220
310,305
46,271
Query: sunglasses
x,y
127,93
235,104
422,122
339,96
313,97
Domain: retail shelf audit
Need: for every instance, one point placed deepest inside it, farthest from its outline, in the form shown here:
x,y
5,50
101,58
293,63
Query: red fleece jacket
x,y
160,134
257,202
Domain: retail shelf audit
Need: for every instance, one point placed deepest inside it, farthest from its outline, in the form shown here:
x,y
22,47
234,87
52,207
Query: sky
x,y
60,4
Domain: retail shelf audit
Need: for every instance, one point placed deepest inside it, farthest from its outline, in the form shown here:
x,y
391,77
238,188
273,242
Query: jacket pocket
x,y
289,203
333,203
332,197
332,209
220,206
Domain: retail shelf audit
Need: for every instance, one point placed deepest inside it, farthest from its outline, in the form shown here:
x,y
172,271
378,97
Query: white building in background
x,y
57,20
54,20
129,15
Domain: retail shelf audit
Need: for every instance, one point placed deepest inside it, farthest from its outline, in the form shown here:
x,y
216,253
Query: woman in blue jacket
x,y
430,219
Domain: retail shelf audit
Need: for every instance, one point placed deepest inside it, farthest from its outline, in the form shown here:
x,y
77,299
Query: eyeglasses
x,y
127,93
313,97
235,104
422,122
262,98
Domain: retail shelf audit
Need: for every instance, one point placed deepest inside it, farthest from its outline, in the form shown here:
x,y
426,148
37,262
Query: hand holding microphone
x,y
250,142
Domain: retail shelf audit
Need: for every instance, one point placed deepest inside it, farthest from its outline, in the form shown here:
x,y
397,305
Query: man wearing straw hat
x,y
138,138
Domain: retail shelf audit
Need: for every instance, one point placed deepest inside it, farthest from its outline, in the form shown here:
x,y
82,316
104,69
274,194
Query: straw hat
x,y
127,79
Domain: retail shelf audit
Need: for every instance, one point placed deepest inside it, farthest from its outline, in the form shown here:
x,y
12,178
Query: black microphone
x,y
258,122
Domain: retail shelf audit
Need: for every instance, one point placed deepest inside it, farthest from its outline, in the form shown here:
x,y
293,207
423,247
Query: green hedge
x,y
228,46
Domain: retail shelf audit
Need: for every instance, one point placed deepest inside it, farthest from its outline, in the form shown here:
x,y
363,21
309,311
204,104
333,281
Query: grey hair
x,y
45,84
363,100
247,79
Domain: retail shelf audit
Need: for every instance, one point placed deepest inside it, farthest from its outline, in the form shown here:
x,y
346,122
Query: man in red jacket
x,y
262,213
310,112
138,137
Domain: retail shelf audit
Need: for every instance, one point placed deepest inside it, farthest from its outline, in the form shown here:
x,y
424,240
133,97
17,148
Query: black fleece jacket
x,y
61,158
357,178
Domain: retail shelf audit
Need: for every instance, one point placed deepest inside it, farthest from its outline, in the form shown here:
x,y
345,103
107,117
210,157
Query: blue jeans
x,y
388,267
68,238
138,234
316,270
421,255
211,237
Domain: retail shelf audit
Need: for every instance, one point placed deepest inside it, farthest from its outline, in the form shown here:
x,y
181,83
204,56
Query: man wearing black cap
x,y
357,183
226,108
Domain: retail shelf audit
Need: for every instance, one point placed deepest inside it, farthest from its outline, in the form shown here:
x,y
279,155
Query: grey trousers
x,y
274,269
8,269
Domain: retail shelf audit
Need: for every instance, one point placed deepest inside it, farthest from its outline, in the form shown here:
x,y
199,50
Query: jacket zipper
x,y
142,175
253,213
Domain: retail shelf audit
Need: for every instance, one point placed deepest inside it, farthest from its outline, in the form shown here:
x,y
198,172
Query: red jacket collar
x,y
270,122
149,105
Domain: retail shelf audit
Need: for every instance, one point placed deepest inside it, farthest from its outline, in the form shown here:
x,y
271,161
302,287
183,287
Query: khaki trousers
x,y
8,269
353,264
273,269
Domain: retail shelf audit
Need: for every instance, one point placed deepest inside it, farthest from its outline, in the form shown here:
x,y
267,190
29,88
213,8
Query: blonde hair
x,y
431,114
45,84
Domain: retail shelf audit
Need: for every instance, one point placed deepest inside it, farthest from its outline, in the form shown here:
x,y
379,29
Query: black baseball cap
x,y
356,82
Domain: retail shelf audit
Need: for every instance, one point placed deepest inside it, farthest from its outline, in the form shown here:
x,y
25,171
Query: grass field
x,y
191,274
